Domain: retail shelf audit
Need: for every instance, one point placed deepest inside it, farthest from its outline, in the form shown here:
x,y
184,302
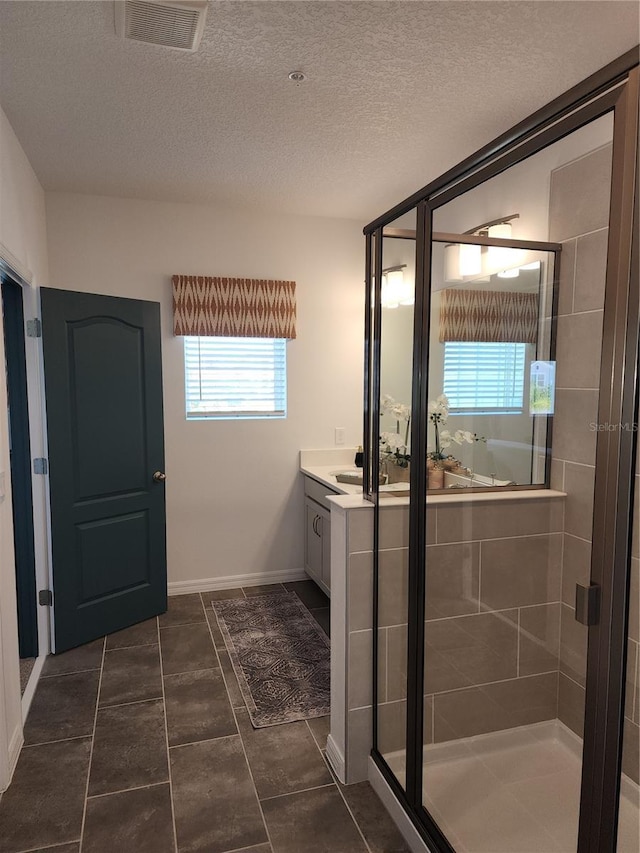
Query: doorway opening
x,y
20,473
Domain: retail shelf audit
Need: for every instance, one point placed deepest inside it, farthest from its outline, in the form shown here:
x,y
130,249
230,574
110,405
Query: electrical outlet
x,y
339,435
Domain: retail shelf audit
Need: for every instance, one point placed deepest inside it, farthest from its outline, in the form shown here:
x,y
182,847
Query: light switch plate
x,y
339,435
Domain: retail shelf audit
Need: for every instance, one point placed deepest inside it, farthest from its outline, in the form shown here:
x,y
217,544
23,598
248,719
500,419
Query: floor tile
x,y
131,675
83,658
63,706
211,780
265,589
218,639
231,680
380,832
322,615
130,821
320,728
44,803
283,759
314,821
142,634
222,594
129,749
187,648
182,610
309,594
198,707
64,848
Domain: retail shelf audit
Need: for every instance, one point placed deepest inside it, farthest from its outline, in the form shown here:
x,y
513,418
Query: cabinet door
x,y
325,524
313,540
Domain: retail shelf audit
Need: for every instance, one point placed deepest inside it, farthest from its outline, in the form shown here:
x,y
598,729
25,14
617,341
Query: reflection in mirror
x,y
491,374
491,378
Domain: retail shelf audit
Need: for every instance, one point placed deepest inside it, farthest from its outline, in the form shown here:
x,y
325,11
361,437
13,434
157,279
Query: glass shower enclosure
x,y
501,456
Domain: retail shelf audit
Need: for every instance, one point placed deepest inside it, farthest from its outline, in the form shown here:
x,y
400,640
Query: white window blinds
x,y
235,377
484,376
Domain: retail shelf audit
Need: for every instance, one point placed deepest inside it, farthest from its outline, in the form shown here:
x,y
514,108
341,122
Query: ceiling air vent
x,y
171,24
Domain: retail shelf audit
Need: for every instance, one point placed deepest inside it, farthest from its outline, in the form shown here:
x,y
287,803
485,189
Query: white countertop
x,y
314,463
325,474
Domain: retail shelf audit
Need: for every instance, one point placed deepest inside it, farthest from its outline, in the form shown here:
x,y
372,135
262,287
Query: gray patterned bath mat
x,y
280,655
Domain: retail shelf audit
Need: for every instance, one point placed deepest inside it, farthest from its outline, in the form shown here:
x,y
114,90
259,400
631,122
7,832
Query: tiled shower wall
x,y
492,618
578,218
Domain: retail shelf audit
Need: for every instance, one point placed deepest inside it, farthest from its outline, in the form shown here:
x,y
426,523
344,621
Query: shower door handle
x,y
588,604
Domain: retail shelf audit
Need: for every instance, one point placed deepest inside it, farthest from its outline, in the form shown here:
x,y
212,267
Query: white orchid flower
x,y
401,412
445,438
386,403
393,440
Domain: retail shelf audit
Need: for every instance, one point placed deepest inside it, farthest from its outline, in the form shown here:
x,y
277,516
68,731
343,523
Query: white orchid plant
x,y
393,445
438,415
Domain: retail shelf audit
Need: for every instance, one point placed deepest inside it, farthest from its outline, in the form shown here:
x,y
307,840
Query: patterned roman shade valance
x,y
233,307
488,315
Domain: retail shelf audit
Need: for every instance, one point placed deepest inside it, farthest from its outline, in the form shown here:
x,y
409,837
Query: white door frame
x,y
13,707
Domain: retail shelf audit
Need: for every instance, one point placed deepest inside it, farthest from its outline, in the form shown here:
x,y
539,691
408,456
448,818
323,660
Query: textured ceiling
x,y
396,93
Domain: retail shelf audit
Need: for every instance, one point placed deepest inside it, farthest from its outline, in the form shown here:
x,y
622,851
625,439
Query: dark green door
x,y
103,383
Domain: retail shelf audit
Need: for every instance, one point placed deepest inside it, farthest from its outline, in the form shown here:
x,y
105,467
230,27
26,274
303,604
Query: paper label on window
x,y
542,388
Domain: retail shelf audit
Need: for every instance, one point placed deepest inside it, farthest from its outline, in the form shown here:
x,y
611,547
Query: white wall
x,y
234,494
23,245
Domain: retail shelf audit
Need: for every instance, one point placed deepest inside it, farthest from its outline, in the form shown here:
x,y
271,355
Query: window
x,y
235,377
484,376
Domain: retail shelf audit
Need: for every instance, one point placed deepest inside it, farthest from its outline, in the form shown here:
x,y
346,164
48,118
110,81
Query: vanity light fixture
x,y
497,256
395,290
464,261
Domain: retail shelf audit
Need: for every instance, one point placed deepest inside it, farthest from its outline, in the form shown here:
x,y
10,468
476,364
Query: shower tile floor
x,y
515,791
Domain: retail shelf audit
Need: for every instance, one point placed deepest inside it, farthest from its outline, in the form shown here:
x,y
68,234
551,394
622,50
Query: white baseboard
x,y
30,689
336,758
233,581
398,815
15,745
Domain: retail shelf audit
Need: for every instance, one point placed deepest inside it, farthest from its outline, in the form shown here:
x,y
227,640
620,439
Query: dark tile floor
x,y
141,743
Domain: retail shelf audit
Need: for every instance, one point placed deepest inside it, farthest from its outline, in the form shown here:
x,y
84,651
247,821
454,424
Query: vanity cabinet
x,y
317,533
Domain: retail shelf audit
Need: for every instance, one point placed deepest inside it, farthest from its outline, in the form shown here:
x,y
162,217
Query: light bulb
x,y
470,259
452,263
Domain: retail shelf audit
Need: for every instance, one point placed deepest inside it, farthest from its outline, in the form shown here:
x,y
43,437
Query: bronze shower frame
x,y
613,89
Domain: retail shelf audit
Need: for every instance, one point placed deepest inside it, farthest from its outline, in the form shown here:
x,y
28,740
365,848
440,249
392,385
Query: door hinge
x,y
34,328
588,604
45,597
40,465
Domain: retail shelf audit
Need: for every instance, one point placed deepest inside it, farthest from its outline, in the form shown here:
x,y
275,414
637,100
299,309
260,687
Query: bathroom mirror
x,y
491,368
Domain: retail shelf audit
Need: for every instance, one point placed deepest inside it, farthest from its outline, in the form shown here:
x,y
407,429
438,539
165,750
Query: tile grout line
x,y
60,740
235,719
330,784
93,736
133,702
126,790
53,847
70,672
166,736
336,784
204,740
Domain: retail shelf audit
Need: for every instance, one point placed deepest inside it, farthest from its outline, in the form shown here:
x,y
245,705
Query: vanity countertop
x,y
325,474
316,466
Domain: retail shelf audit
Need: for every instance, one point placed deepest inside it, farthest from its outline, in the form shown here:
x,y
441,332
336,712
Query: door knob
x,y
159,477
